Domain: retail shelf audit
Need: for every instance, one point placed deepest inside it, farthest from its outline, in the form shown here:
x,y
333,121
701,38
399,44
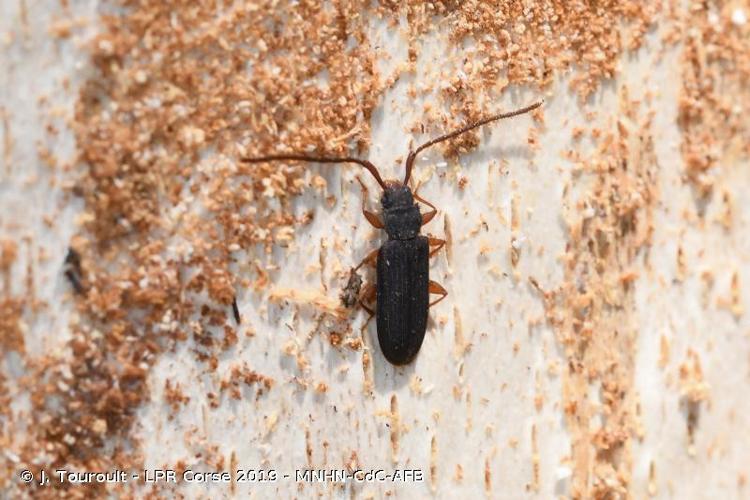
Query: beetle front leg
x,y
435,242
427,217
437,289
372,218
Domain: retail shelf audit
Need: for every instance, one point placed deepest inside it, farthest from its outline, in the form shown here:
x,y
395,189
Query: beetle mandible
x,y
403,284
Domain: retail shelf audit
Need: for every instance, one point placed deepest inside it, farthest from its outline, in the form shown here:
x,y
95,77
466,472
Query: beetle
x,y
403,284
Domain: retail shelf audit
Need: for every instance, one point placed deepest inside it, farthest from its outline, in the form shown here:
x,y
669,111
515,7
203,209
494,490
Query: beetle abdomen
x,y
402,297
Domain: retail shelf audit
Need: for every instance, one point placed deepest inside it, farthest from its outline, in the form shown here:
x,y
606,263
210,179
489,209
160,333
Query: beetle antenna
x,y
413,154
369,166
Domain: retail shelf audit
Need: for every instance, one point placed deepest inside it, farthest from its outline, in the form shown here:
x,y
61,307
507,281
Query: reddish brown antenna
x,y
413,154
369,166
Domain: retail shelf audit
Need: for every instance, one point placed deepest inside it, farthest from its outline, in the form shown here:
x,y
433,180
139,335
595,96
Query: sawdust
x,y
591,311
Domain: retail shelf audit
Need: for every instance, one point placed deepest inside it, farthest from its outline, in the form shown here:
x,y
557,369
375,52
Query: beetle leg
x,y
369,293
372,218
370,260
426,217
435,242
436,288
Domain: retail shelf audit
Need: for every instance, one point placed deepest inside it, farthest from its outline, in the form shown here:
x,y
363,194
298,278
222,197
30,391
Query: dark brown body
x,y
402,277
402,297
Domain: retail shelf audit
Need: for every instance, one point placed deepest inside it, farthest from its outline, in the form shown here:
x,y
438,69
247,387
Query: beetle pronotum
x,y
403,286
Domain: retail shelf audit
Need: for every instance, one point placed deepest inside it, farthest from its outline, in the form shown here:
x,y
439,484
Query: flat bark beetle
x,y
403,273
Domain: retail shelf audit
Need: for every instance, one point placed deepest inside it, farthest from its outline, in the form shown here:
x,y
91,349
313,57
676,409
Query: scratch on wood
x,y
534,460
7,140
448,239
487,477
308,447
395,424
312,298
23,14
30,289
433,464
459,347
367,375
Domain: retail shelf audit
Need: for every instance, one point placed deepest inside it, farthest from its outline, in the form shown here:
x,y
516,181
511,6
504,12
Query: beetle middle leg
x,y
369,291
371,260
435,242
437,289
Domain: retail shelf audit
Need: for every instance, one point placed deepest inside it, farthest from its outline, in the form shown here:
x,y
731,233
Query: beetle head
x,y
396,195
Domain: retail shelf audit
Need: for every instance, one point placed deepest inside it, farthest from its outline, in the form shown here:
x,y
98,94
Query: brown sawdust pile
x,y
608,231
713,105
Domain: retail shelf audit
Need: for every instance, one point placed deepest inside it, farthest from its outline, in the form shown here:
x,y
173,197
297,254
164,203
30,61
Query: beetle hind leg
x,y
437,289
369,294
